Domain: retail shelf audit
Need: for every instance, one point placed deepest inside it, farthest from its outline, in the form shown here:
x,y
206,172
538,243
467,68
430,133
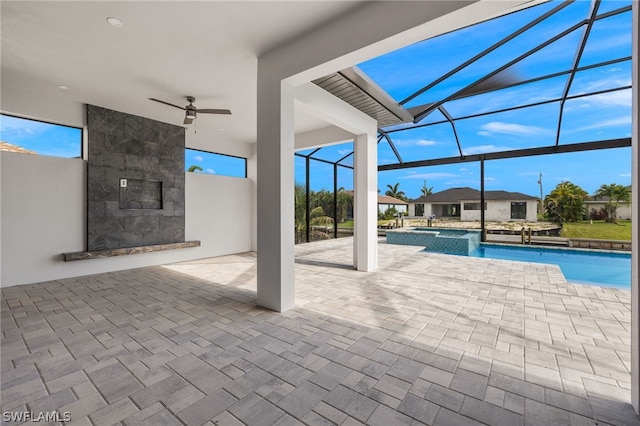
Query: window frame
x,y
224,155
81,156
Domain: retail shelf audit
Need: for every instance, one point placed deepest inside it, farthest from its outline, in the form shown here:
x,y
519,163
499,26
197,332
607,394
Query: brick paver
x,y
427,339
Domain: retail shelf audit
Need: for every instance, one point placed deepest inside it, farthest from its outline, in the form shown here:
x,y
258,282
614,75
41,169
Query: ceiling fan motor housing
x,y
190,111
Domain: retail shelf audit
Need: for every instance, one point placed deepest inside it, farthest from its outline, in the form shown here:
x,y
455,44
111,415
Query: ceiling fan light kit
x,y
191,111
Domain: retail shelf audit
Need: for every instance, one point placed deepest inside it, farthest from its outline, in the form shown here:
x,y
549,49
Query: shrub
x,y
598,214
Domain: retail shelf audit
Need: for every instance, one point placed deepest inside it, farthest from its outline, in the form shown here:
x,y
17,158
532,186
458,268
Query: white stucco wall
x,y
498,211
43,214
501,211
623,211
427,209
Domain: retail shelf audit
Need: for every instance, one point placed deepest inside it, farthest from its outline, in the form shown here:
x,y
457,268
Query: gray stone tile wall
x,y
123,146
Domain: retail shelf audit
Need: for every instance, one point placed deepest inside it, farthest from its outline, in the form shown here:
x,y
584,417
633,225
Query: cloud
x,y
605,83
608,123
198,158
415,142
345,151
490,178
211,171
428,176
620,98
483,133
625,174
617,98
511,129
483,149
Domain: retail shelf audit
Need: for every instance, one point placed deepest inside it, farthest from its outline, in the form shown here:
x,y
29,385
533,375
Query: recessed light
x,y
221,129
61,87
115,22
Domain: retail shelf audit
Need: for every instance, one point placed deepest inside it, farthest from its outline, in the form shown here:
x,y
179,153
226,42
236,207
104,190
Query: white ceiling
x,y
166,50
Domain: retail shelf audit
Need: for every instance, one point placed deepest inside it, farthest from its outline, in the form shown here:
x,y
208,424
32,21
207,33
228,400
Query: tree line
x,y
566,203
322,212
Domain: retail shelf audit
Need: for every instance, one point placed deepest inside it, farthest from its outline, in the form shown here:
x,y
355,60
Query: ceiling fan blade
x,y
188,120
214,111
166,103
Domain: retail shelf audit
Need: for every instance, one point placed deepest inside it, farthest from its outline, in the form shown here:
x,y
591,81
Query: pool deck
x,y
426,339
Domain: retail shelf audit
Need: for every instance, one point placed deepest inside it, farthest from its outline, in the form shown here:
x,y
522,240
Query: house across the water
x,y
464,204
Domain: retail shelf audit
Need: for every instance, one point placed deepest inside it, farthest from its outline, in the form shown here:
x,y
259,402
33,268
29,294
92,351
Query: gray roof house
x,y
464,204
385,202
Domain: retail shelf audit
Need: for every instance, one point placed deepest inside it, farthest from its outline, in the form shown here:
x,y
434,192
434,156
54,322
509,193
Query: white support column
x,y
252,175
275,204
635,211
365,243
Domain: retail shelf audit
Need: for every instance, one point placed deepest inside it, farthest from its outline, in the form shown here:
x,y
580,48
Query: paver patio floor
x,y
427,339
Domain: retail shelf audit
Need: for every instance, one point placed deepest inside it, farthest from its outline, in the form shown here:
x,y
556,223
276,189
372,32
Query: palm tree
x,y
394,191
300,197
195,168
426,190
615,194
319,222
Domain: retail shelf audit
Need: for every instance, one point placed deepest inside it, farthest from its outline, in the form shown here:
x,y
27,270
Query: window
x,y
37,137
518,210
474,206
419,210
215,164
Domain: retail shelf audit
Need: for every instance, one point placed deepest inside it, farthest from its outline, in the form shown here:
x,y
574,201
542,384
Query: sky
x,y
401,73
61,141
43,138
590,118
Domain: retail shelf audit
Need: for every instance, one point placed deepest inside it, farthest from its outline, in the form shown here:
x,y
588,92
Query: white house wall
x,y
43,214
501,211
623,211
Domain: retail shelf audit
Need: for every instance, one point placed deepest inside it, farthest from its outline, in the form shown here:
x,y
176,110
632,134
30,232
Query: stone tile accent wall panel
x,y
150,155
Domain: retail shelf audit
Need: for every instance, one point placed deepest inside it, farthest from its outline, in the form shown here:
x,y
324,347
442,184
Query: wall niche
x,y
135,188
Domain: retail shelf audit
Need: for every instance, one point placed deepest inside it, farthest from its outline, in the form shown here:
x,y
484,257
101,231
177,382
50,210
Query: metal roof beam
x,y
576,61
446,114
487,51
421,115
392,145
481,114
531,80
528,152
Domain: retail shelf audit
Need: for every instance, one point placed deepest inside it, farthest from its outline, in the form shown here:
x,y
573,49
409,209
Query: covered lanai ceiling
x,y
555,77
165,50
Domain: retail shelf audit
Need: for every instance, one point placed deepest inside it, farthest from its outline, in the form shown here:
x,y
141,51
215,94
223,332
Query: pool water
x,y
578,266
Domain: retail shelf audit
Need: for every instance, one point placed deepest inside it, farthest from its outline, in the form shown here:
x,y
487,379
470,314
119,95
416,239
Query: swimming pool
x,y
578,266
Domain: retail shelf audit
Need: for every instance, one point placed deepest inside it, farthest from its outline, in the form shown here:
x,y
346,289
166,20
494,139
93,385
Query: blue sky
x,y
215,163
38,136
587,118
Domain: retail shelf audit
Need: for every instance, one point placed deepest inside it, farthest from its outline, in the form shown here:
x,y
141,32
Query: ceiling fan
x,y
191,112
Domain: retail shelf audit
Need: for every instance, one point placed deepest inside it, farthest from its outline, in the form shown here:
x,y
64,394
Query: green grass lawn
x,y
599,230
